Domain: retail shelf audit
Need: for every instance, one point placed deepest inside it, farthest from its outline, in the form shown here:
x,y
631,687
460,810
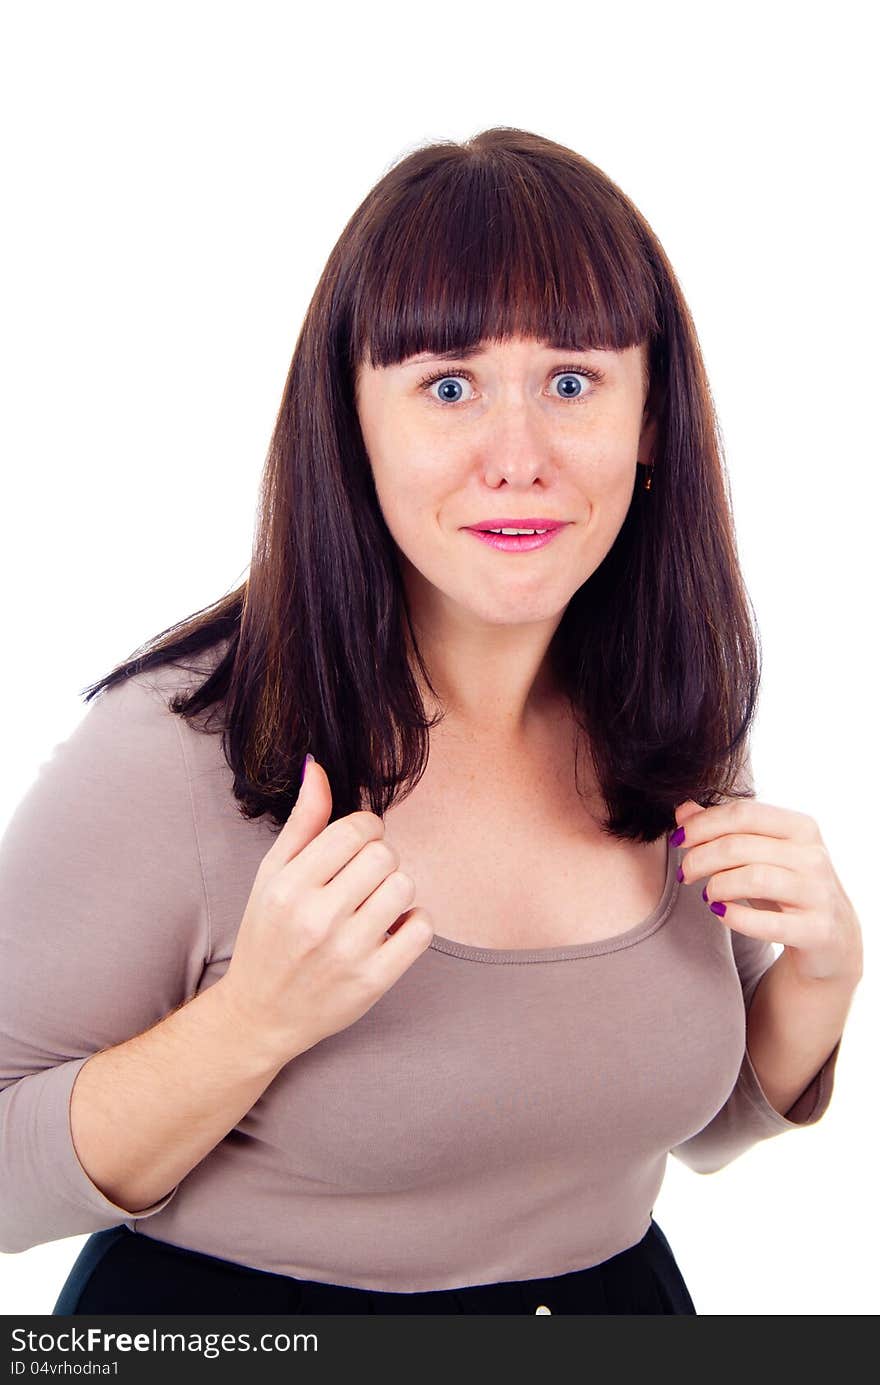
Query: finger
x,y
749,815
763,857
769,884
769,926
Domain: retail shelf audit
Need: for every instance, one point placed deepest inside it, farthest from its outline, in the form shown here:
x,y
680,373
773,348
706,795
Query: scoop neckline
x,y
566,952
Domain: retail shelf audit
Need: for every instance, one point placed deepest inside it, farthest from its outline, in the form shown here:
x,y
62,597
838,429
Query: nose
x,y
515,446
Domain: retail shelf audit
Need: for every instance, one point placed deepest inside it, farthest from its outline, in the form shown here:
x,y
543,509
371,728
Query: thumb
x,y
315,800
309,815
686,810
309,760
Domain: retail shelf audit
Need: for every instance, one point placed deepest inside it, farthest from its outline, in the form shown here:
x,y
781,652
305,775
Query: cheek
x,y
414,481
603,484
408,499
604,475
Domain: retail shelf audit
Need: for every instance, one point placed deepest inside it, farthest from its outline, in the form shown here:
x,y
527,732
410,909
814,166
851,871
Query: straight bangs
x,y
500,247
457,246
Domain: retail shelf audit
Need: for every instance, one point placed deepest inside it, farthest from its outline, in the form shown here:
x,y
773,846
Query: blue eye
x,y
569,376
447,380
565,372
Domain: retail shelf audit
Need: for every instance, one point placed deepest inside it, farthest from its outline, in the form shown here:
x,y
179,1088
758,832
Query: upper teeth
x,y
516,531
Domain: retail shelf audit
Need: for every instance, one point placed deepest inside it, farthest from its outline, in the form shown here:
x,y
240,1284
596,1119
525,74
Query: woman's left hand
x,y
775,858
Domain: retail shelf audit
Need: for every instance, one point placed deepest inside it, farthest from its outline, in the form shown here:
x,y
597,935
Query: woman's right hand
x,y
313,952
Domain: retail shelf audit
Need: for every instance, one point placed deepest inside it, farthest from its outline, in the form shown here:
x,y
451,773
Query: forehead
x,y
511,347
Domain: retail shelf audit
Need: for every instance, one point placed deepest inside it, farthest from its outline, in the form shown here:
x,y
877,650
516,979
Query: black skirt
x,y
122,1271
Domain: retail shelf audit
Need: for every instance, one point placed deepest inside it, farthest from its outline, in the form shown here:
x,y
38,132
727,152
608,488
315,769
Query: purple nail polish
x,y
310,756
705,896
677,837
679,874
718,908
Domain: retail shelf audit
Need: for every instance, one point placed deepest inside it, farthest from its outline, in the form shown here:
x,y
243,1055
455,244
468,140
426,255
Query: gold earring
x,y
649,470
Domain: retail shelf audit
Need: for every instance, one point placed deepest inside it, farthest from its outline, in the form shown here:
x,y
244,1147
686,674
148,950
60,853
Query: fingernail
x,y
705,896
718,908
679,874
310,756
677,837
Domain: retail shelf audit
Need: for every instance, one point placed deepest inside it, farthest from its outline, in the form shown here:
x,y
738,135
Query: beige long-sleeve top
x,y
496,1115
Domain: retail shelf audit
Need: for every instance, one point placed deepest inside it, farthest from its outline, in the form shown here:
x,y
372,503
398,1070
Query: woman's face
x,y
512,432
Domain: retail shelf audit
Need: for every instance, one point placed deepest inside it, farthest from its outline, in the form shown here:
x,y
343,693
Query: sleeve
x,y
103,931
747,1116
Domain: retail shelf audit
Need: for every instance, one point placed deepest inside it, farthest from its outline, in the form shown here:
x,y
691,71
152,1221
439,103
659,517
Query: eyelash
x,y
595,375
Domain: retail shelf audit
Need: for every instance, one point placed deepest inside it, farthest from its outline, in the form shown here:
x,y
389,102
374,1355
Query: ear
x,y
648,440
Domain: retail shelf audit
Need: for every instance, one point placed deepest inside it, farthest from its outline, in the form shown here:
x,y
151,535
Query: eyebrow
x,y
467,353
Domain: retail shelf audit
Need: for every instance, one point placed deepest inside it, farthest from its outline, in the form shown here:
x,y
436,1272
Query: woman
x,y
419,1036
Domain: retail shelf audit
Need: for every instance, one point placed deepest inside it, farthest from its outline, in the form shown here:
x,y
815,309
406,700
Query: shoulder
x,y
137,711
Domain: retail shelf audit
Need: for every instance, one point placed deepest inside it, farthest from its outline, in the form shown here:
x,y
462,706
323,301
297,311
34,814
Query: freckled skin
x,y
502,765
510,442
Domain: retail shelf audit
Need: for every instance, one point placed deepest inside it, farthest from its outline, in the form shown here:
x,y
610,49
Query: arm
x,y
104,931
794,1038
793,1028
144,1113
796,1005
748,1116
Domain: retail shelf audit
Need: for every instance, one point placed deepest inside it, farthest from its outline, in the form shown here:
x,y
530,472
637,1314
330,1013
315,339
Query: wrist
x,y
262,1056
840,969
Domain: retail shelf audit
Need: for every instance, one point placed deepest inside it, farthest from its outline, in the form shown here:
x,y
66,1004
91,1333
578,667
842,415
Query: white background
x,y
175,176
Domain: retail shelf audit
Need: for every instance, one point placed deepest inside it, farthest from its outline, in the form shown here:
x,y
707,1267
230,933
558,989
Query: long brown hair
x,y
505,234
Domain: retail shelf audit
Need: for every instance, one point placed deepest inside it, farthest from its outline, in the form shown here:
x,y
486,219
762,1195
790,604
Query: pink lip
x,y
530,523
517,543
